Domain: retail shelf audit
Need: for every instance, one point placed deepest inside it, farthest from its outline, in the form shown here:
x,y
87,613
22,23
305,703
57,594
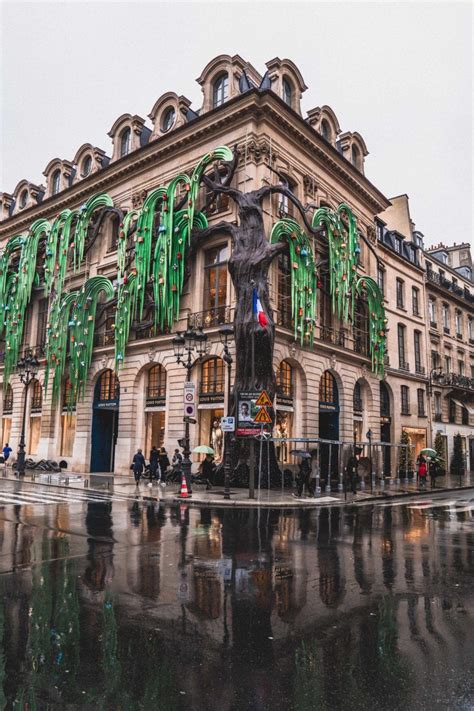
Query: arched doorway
x,y
105,415
385,427
328,422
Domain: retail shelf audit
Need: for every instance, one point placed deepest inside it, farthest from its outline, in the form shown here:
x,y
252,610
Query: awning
x,y
469,408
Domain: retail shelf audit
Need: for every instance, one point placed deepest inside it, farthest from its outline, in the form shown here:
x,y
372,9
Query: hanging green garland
x,y
126,303
57,338
86,212
377,322
81,329
304,277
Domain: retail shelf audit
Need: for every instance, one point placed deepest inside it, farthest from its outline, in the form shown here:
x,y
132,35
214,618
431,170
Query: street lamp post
x,y
372,472
226,333
184,347
27,368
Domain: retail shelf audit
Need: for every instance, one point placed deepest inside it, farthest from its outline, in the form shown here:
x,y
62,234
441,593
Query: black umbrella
x,y
300,453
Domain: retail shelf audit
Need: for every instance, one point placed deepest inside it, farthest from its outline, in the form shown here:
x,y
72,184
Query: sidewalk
x,y
275,498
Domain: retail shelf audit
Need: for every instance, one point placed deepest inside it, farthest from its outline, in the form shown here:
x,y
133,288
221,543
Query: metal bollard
x,y
317,488
373,480
67,481
382,483
362,483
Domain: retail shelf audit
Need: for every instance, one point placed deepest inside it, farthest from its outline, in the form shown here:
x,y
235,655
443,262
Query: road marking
x,y
28,498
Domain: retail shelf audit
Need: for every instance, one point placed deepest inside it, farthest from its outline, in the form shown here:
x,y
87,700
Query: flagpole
x,y
252,377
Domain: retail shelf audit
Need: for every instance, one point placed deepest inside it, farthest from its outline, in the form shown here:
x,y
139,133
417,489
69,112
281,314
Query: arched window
x,y
56,182
36,397
326,131
355,156
108,386
113,233
287,92
86,166
328,392
212,377
384,401
8,400
220,90
23,199
169,117
156,389
361,327
284,378
125,142
69,402
357,399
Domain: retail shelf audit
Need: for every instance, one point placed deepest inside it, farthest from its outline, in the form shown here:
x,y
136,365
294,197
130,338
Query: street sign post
x,y
228,424
189,399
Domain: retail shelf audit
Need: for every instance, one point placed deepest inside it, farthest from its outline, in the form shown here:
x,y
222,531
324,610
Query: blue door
x,y
105,422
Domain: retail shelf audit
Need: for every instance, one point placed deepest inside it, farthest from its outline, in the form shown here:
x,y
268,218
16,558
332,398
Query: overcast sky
x,y
399,73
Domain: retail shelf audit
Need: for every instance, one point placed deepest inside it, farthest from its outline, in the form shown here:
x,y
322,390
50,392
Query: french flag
x,y
257,309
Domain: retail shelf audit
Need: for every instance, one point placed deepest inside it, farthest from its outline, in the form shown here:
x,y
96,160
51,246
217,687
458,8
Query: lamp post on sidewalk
x,y
226,334
372,472
184,346
27,368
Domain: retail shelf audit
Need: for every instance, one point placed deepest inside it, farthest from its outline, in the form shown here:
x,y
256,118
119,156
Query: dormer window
x,y
355,156
86,166
287,92
56,182
23,199
169,117
220,92
326,130
124,142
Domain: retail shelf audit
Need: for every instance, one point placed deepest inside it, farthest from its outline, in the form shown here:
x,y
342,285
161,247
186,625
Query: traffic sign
x,y
190,410
189,393
263,400
228,424
262,416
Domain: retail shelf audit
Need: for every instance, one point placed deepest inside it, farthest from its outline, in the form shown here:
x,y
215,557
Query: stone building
x,y
327,391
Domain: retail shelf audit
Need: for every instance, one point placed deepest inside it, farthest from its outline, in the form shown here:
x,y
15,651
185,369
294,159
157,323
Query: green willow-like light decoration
x,y
377,321
344,249
161,239
81,329
304,277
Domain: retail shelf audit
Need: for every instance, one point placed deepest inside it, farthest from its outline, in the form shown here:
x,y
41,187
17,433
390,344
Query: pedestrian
x,y
138,465
313,477
352,465
176,465
6,453
303,476
207,470
155,471
422,471
164,462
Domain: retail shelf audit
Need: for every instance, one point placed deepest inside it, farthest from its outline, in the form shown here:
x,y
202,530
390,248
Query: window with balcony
x,y
437,407
434,359
415,301
460,367
405,399
109,386
400,289
284,207
8,400
417,343
446,318
215,284
36,397
447,364
458,322
470,330
464,416
421,402
357,399
432,313
401,346
41,323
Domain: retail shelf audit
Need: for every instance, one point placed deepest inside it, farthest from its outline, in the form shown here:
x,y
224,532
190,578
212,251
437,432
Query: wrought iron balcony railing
x,y
211,317
438,417
447,284
419,369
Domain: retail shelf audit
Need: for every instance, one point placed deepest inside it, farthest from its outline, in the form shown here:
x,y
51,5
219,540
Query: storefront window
x,y
212,378
284,378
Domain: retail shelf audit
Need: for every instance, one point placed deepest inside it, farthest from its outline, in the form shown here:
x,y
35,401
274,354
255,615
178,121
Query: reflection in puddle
x,y
173,608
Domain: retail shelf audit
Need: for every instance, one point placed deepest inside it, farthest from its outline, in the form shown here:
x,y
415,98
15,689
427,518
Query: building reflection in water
x,y
331,608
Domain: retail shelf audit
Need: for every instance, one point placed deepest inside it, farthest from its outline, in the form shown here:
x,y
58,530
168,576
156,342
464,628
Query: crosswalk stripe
x,y
73,493
28,498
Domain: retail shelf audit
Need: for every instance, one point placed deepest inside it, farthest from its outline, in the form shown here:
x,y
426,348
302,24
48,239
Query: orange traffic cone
x,y
184,488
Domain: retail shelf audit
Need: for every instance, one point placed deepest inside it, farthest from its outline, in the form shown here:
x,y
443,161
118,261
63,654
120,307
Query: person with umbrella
x,y
304,471
207,467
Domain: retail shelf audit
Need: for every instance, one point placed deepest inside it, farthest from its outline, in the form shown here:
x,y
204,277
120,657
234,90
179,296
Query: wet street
x,y
114,603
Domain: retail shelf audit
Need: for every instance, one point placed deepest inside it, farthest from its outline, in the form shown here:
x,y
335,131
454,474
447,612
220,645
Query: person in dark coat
x,y
207,470
303,475
352,465
164,462
138,463
154,463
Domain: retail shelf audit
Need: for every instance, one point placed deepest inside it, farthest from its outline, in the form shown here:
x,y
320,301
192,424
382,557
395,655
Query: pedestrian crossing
x,y
22,497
